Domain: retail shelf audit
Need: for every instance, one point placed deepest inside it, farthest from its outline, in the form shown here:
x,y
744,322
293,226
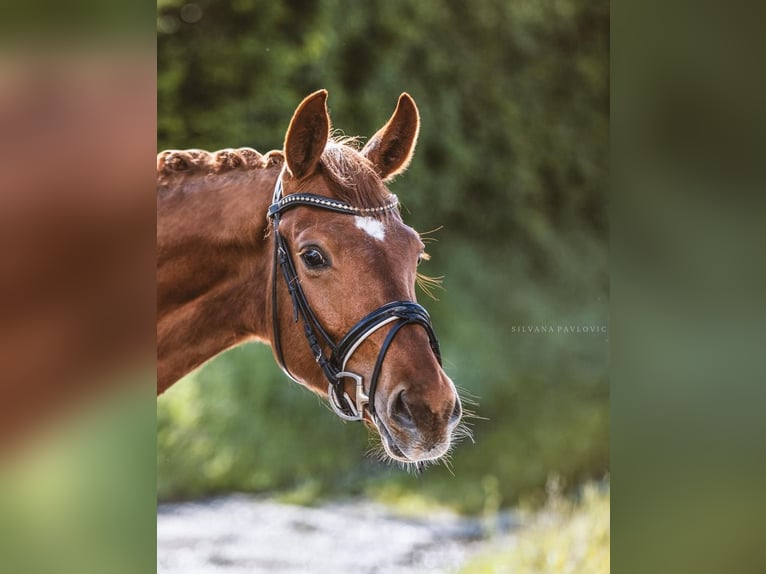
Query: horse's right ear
x,y
307,135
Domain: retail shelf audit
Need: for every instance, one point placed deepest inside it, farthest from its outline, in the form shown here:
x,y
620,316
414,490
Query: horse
x,y
305,250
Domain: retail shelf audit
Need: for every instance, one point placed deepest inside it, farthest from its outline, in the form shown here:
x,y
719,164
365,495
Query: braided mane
x,y
354,177
190,161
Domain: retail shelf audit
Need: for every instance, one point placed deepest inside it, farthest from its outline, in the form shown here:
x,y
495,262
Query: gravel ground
x,y
239,533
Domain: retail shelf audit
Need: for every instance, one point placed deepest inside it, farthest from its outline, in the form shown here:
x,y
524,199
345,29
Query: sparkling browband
x,y
296,199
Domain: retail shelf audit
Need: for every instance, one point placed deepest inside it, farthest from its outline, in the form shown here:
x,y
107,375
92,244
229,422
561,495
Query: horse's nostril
x,y
400,410
457,412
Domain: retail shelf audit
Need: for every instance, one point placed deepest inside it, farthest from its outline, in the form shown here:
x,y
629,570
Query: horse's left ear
x,y
391,148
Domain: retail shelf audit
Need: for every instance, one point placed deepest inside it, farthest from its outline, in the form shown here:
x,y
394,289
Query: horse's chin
x,y
395,452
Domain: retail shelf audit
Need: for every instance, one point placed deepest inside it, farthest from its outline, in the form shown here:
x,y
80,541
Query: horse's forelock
x,y
355,178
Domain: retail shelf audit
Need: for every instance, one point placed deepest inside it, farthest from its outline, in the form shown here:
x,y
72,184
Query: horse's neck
x,y
213,268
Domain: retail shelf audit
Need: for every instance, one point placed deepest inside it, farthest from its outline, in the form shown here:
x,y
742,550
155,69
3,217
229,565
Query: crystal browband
x,y
281,204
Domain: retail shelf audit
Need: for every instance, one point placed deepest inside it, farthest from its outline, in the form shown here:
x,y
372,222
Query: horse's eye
x,y
314,258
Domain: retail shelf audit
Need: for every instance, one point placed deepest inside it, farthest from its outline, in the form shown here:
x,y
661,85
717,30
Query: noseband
x,y
397,313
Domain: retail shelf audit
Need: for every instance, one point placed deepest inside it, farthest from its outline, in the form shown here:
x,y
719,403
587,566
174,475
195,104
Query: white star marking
x,y
373,227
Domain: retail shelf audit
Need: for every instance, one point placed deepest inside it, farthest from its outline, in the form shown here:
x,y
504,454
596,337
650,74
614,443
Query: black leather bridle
x,y
397,313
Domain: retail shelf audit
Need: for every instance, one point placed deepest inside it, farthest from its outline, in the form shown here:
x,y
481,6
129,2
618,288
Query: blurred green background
x,y
511,163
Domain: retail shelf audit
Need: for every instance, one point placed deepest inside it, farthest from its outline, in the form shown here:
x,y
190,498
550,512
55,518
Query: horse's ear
x,y
391,148
307,135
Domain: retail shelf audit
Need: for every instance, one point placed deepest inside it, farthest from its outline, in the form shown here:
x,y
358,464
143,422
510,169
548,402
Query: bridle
x,y
397,313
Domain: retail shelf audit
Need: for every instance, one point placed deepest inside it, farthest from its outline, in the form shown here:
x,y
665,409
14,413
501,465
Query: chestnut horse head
x,y
305,249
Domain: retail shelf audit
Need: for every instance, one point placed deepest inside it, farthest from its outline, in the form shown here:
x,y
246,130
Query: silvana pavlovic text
x,y
559,329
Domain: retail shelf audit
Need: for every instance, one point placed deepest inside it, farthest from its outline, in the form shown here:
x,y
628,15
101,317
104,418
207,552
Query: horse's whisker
x,y
434,230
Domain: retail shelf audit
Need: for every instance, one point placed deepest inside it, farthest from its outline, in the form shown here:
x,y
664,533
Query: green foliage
x,y
511,162
237,424
566,538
